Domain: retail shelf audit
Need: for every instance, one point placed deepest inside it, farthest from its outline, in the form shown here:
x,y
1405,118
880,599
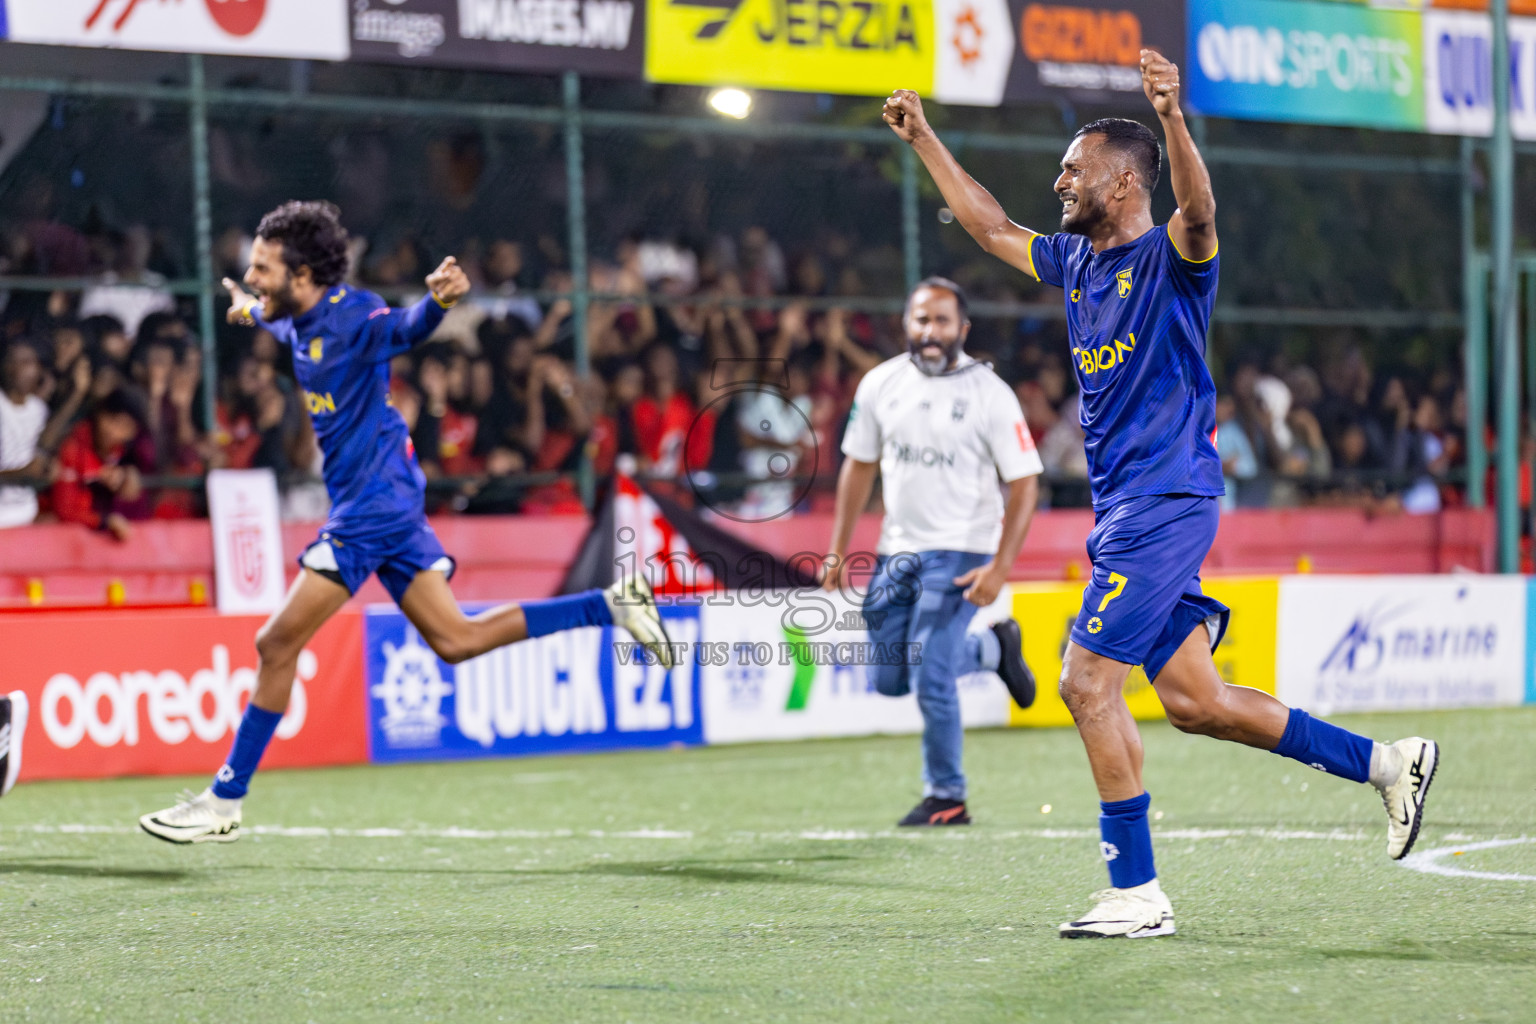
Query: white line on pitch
x,y
1428,861
825,835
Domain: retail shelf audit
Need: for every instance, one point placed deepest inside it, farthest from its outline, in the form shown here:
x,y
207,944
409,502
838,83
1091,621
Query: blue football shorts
x,y
348,555
1144,598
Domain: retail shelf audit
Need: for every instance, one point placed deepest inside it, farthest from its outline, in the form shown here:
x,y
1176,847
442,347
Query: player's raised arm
x,y
399,330
1193,226
973,205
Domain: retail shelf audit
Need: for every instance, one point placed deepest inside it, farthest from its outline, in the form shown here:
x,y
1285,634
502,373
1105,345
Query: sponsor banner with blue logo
x,y
566,693
1458,70
1387,643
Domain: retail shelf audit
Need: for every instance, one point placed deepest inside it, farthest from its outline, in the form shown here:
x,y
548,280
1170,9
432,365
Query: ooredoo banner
x,y
579,690
162,692
598,37
265,28
1386,643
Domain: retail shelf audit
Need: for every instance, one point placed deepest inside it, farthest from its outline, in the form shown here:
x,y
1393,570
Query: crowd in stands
x,y
102,423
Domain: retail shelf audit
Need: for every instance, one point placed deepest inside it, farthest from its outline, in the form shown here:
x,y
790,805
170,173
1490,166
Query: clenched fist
x,y
1160,81
904,113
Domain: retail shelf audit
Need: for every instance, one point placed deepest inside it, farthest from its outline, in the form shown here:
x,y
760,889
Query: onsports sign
x,y
861,47
1317,63
1458,64
161,693
567,692
601,37
267,28
1399,642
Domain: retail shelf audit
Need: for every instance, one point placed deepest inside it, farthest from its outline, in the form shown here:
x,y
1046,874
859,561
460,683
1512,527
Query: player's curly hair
x,y
1135,140
312,236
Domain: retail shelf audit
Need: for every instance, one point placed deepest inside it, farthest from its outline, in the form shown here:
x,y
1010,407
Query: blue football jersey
x,y
341,353
1136,319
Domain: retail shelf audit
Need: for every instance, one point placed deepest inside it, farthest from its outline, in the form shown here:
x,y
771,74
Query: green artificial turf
x,y
766,883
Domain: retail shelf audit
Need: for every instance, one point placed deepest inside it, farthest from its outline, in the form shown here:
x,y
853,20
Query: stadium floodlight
x,y
735,103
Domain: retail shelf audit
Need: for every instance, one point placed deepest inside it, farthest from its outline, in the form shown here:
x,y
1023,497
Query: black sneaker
x,y
1011,665
937,811
13,726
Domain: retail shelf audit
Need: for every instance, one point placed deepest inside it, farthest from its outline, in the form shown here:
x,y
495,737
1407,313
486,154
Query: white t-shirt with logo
x,y
943,444
20,427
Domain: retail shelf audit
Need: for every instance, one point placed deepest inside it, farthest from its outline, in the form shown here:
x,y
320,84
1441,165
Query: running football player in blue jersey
x,y
1138,300
342,340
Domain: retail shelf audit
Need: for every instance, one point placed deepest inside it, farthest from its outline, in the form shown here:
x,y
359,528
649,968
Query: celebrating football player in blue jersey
x,y
342,340
1138,300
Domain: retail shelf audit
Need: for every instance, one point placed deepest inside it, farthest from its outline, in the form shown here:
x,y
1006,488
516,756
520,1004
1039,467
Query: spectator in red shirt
x,y
93,483
663,416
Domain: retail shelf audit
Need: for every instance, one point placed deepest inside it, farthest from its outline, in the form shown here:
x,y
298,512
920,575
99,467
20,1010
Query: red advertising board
x,y
161,692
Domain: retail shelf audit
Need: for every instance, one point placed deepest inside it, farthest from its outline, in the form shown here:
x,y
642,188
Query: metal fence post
x,y
1506,337
576,214
911,231
202,227
1474,301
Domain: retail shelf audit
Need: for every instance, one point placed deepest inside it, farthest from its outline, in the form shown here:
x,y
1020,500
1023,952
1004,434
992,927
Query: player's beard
x,y
935,365
1085,216
279,302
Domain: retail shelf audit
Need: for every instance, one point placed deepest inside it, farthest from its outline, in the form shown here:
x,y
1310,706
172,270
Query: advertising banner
x,y
1046,611
1458,68
247,540
859,47
1090,53
161,693
797,664
596,37
565,693
975,41
1401,642
1316,63
314,29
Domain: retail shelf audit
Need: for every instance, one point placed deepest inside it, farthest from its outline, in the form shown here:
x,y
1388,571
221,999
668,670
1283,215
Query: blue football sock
x,y
1326,747
556,613
251,739
1127,845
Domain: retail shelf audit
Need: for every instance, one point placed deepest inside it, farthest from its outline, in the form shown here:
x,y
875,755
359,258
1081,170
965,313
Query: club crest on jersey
x,y
1123,279
957,413
316,350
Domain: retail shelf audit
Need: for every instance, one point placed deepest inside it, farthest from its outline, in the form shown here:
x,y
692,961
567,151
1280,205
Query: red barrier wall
x,y
161,692
526,556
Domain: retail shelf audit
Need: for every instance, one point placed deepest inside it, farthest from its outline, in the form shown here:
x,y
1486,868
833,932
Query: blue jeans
x,y
913,599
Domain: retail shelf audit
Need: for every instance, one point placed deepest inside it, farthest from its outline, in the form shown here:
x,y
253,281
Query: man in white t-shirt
x,y
23,416
946,436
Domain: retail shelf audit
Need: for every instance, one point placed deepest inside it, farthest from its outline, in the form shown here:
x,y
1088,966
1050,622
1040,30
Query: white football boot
x,y
1141,912
199,818
633,606
1404,797
13,726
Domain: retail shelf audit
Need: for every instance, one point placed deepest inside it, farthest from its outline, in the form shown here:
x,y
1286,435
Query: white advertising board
x,y
1458,74
1379,643
314,29
772,683
247,541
